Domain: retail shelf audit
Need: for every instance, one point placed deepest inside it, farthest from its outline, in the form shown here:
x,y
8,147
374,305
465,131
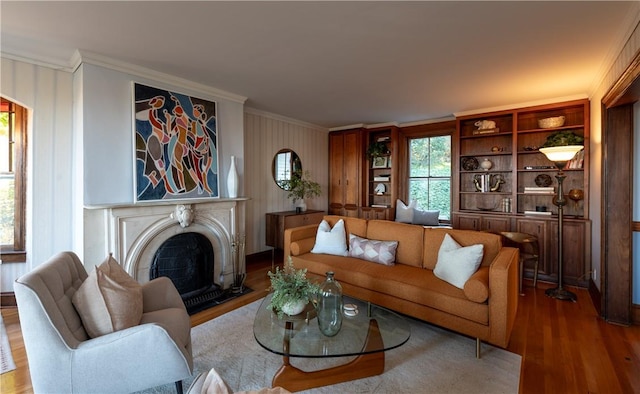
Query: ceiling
x,y
340,63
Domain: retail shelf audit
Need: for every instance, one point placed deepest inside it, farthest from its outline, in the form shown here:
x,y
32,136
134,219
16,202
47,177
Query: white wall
x,y
107,130
48,95
266,134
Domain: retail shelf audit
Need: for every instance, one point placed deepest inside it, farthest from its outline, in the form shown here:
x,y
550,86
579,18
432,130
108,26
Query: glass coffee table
x,y
367,335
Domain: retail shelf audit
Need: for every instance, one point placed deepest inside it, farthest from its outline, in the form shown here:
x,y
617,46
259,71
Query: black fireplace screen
x,y
186,259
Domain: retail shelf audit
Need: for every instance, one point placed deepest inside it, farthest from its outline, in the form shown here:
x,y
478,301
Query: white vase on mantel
x,y
232,179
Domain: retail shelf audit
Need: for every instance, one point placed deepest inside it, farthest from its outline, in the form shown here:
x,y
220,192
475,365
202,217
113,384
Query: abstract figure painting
x,y
176,145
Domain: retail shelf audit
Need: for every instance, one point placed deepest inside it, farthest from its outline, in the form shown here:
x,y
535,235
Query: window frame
x,y
16,253
437,129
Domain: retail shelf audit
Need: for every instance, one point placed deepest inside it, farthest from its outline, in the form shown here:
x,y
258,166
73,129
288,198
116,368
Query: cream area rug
x,y
434,360
6,359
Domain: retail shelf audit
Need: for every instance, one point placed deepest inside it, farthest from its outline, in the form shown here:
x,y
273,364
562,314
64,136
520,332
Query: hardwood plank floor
x,y
565,347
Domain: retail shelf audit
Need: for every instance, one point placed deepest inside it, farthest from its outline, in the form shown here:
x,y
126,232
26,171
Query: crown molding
x,y
143,72
42,61
282,118
522,105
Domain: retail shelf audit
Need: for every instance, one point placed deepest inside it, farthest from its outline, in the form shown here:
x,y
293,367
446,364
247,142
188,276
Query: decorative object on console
x,y
290,286
168,165
559,152
330,306
300,186
232,179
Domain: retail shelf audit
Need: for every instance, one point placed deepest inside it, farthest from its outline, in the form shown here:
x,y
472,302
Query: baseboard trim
x,y
8,300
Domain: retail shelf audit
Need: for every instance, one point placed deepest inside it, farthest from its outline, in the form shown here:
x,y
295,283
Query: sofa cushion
x,y
455,263
331,240
382,252
401,281
355,226
409,239
404,213
433,239
109,300
426,218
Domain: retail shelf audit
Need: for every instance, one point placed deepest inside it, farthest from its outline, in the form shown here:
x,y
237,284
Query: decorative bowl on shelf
x,y
543,180
547,123
469,163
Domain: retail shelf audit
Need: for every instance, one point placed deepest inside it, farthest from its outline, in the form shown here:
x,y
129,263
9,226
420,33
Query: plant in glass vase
x,y
292,291
301,186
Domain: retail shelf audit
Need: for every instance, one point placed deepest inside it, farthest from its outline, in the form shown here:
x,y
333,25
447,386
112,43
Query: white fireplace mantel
x,y
134,232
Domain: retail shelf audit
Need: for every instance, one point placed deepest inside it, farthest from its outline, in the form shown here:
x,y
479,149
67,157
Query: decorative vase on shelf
x,y
330,306
232,179
486,164
301,205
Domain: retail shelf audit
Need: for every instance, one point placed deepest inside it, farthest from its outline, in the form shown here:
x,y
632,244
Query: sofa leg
x,y
179,387
478,347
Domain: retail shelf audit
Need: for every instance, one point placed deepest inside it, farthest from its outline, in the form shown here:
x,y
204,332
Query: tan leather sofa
x,y
485,309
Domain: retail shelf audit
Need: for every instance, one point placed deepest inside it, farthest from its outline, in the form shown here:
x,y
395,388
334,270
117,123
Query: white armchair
x,y
63,359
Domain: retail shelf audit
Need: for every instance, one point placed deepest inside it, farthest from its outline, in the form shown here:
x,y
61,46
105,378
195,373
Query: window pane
x,y
440,148
7,213
440,196
419,157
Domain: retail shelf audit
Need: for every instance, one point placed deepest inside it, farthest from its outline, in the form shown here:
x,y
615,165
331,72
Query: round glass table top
x,y
306,340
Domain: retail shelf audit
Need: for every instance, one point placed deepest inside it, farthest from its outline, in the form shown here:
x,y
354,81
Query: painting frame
x,y
175,145
379,162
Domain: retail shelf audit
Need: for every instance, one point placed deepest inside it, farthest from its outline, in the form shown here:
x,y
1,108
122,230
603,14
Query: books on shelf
x,y
380,206
382,178
383,139
538,213
540,189
577,162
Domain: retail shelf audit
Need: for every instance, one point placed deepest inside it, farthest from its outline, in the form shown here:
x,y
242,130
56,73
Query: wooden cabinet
x,y
277,222
481,222
345,167
516,170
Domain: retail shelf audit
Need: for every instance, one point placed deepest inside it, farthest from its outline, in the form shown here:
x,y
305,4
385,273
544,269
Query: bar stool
x,y
529,251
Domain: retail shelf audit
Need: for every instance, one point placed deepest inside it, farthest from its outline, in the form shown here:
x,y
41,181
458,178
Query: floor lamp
x,y
560,155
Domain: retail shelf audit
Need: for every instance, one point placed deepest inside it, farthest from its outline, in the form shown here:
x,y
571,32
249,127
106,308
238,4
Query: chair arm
x,y
160,293
297,234
503,295
97,362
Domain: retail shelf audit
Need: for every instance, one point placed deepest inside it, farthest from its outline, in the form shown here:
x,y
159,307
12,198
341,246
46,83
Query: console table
x,y
277,222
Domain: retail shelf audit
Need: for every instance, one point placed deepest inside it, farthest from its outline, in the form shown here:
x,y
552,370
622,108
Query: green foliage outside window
x,y
430,173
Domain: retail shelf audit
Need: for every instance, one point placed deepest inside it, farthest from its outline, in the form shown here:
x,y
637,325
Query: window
x,y
13,145
430,173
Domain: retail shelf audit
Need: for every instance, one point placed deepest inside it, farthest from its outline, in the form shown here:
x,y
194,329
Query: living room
x,y
82,154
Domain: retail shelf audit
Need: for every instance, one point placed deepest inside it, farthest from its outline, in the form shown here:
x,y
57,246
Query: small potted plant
x,y
300,186
377,149
563,138
292,291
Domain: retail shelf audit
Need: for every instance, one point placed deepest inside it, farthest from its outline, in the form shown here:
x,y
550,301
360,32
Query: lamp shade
x,y
559,154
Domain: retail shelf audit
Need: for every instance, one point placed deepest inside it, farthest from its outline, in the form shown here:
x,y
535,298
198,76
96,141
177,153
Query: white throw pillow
x,y
382,252
108,300
455,263
404,213
331,240
426,218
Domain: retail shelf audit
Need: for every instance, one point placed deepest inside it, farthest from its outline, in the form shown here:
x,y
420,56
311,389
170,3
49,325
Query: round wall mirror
x,y
285,164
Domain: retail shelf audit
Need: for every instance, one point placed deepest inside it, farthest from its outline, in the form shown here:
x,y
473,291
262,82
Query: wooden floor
x,y
565,347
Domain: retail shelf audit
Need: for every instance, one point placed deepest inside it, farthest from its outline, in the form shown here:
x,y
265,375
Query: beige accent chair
x,y
63,359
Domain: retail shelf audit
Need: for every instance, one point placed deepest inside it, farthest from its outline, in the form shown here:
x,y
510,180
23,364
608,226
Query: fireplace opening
x,y
188,260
